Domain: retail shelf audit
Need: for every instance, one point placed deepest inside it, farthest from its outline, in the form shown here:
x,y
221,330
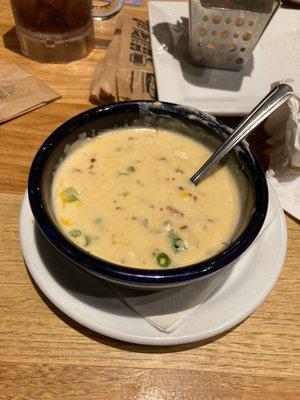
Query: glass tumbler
x,y
58,31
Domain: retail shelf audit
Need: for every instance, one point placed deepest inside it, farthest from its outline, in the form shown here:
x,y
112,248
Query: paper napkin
x,y
167,309
283,127
21,92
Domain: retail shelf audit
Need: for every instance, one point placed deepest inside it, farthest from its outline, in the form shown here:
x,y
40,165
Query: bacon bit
x,y
195,198
77,170
180,188
179,170
183,227
93,160
175,211
145,222
131,169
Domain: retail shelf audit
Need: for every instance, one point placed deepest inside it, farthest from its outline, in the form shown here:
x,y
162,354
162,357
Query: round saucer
x,y
90,301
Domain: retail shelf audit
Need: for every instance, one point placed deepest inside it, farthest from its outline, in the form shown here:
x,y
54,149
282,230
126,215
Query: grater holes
x,y
239,22
211,45
247,36
203,31
232,47
218,59
216,19
225,34
198,57
224,38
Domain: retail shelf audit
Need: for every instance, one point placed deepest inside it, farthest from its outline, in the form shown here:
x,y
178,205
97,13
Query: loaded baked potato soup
x,y
125,196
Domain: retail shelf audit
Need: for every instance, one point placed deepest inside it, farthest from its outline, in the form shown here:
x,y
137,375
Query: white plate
x,y
90,302
220,92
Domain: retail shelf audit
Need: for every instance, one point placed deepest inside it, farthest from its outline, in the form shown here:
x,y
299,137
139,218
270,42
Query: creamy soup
x,y
125,197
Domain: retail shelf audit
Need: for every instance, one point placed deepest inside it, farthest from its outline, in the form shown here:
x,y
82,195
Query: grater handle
x,y
264,108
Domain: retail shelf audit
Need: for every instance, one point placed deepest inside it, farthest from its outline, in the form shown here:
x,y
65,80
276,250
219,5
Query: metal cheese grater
x,y
223,33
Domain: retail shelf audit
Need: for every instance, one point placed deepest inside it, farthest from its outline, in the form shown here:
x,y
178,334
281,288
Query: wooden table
x,y
45,355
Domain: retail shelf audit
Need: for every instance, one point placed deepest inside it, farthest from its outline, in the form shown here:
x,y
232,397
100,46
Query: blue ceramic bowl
x,y
141,113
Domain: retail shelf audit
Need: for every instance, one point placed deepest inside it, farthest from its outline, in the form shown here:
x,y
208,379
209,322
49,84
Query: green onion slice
x,y
163,260
75,233
87,240
69,195
178,244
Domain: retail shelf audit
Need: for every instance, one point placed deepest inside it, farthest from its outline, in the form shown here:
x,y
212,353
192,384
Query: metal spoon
x,y
264,108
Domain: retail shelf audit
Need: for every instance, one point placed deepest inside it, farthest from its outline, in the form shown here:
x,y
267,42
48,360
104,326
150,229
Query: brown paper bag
x,y
21,92
126,72
104,84
135,72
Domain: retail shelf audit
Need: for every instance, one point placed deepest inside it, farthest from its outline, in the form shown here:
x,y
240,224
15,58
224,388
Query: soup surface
x,y
125,196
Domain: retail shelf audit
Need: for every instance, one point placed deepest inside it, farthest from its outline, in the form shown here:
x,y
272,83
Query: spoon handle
x,y
264,108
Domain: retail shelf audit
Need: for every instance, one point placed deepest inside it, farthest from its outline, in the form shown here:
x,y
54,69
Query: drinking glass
x,y
59,31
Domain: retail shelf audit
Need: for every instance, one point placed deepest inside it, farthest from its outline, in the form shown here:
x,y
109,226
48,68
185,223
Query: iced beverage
x,y
54,30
